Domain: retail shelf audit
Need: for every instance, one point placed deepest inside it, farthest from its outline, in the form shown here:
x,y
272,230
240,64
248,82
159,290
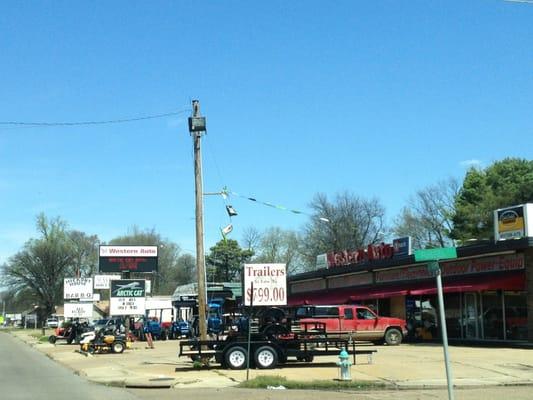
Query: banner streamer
x,y
225,193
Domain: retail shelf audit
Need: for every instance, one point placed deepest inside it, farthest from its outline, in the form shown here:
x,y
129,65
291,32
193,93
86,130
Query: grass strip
x,y
263,382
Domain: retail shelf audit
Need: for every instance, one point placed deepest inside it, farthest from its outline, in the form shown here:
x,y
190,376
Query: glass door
x,y
470,316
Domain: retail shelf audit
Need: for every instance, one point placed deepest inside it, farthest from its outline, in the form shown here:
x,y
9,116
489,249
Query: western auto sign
x,y
269,283
128,259
78,288
128,297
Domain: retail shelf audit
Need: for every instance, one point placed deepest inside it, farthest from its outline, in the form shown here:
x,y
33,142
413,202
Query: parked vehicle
x,y
354,321
267,348
69,331
179,329
154,327
52,322
99,342
109,325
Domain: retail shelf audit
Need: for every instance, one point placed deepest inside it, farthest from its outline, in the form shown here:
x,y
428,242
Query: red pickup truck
x,y
357,322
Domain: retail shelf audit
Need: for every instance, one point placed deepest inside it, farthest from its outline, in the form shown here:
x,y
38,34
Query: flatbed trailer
x,y
269,350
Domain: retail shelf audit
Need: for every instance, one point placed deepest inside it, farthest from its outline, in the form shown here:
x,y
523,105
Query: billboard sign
x,y
128,259
402,246
78,288
269,284
102,281
128,297
322,261
78,310
512,222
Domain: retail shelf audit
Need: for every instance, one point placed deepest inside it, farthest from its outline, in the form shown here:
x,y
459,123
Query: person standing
x,y
148,335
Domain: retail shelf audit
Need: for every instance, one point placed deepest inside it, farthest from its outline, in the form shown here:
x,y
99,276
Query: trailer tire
x,y
236,357
52,339
266,357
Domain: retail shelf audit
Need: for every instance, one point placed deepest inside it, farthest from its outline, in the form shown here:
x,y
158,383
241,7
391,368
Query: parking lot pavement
x,y
408,366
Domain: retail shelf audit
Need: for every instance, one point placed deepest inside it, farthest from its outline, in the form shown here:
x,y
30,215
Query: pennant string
x,y
226,192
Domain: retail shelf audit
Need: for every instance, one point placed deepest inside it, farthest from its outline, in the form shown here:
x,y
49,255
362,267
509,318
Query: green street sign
x,y
442,253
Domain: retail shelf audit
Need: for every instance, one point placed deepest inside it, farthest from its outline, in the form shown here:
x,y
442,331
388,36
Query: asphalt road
x,y
26,373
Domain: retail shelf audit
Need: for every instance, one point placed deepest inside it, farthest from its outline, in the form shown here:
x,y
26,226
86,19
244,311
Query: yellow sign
x,y
511,223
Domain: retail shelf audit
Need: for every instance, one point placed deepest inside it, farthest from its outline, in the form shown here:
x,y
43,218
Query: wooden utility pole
x,y
196,129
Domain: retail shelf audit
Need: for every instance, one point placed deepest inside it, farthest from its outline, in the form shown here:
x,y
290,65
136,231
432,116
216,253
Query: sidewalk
x,y
401,367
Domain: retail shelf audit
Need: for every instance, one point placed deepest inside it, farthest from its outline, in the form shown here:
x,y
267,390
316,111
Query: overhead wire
x,y
103,122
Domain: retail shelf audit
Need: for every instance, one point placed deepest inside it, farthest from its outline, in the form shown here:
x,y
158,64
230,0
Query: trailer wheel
x,y
52,339
236,357
266,357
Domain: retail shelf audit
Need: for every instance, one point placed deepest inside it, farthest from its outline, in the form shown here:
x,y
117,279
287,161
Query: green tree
x,y
225,261
39,268
171,270
85,254
504,183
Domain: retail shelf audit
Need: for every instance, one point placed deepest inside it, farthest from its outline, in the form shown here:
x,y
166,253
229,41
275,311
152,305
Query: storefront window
x,y
452,303
515,315
492,315
422,317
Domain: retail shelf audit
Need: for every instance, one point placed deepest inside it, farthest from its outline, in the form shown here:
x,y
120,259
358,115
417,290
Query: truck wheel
x,y
393,337
117,347
266,357
52,339
236,357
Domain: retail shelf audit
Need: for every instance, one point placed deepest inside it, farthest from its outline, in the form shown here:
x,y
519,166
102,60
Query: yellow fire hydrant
x,y
344,365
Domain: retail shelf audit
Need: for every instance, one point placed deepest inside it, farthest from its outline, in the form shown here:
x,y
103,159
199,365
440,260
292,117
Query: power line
x,y
80,123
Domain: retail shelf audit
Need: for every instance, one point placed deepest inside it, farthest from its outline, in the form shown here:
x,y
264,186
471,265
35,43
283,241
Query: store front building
x,y
488,290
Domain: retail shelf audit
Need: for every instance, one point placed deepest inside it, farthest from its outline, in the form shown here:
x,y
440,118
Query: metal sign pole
x,y
249,330
449,377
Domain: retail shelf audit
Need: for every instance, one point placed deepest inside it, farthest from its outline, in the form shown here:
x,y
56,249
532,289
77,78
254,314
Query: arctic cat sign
x,y
128,297
128,259
128,288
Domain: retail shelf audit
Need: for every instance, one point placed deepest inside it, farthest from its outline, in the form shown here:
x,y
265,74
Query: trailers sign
x,y
78,288
128,297
128,259
269,284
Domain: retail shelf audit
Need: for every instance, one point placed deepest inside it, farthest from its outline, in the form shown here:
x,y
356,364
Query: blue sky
x,y
380,98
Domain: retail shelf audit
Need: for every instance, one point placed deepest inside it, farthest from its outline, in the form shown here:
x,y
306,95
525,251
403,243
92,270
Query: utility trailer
x,y
269,347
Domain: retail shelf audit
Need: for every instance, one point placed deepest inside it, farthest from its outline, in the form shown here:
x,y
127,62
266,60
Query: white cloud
x,y
471,163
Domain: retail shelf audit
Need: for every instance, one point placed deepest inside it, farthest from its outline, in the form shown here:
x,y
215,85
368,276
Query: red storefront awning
x,y
512,282
376,294
339,296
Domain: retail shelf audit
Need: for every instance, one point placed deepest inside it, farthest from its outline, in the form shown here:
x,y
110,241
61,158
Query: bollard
x,y
344,365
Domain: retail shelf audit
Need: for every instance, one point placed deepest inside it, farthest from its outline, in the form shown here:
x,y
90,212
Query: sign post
x,y
264,285
433,256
